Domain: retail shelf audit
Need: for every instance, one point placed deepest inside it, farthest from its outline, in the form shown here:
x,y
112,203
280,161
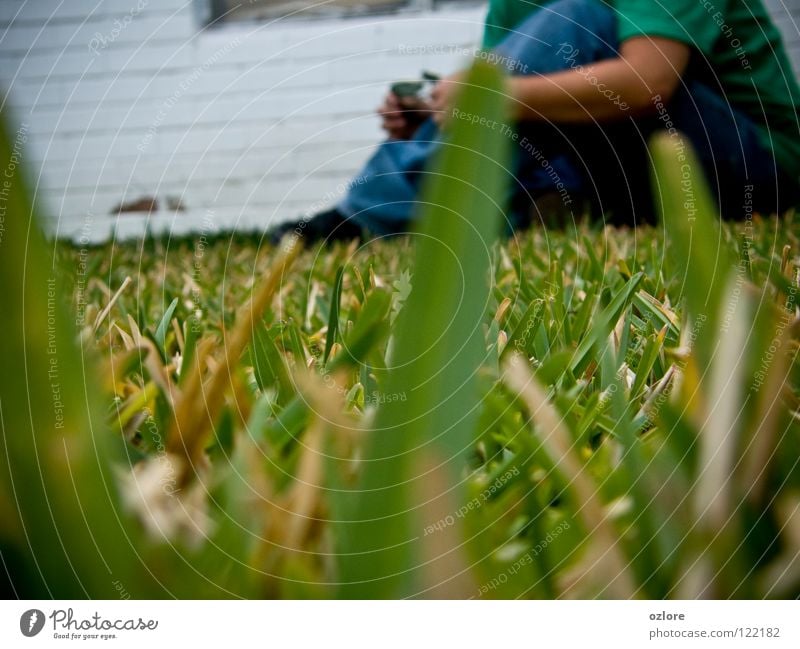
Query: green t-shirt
x,y
738,39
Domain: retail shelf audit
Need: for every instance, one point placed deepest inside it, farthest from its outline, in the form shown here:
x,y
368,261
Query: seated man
x,y
589,83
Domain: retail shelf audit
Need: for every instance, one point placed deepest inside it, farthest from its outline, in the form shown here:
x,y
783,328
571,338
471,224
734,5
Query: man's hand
x,y
443,96
402,115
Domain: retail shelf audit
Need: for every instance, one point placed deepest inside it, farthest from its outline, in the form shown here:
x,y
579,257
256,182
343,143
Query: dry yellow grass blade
x,y
136,403
783,574
718,420
189,395
303,501
762,446
713,493
668,313
193,418
447,573
158,372
127,341
604,563
649,408
293,517
502,310
102,315
178,334
135,333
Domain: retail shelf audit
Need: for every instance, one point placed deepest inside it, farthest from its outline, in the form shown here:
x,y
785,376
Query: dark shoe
x,y
275,235
330,225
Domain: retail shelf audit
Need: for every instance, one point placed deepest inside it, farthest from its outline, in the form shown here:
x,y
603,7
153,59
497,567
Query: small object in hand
x,y
413,89
406,107
407,89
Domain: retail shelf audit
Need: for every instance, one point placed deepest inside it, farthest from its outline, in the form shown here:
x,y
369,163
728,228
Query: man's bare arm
x,y
606,90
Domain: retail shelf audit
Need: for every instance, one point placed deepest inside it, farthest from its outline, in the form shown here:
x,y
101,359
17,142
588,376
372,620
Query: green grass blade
x,y
333,319
163,327
66,531
418,447
691,220
605,322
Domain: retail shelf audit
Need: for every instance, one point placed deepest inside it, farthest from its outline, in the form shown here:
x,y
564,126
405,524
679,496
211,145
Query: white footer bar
x,y
407,624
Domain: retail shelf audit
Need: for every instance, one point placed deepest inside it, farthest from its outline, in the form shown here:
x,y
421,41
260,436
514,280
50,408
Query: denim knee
x,y
560,35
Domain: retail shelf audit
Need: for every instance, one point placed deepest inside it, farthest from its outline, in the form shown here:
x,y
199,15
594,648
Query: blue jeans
x,y
604,164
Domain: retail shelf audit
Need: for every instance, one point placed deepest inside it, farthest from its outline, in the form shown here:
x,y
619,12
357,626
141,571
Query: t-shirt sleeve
x,y
694,22
494,29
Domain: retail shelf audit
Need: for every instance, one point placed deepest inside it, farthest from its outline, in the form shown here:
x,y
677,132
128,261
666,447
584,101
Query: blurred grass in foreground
x,y
611,414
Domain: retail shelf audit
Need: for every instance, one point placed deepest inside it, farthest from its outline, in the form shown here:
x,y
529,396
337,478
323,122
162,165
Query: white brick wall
x,y
278,115
786,14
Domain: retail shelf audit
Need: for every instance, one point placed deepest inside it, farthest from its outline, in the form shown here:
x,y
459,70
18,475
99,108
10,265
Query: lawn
x,y
582,412
528,511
